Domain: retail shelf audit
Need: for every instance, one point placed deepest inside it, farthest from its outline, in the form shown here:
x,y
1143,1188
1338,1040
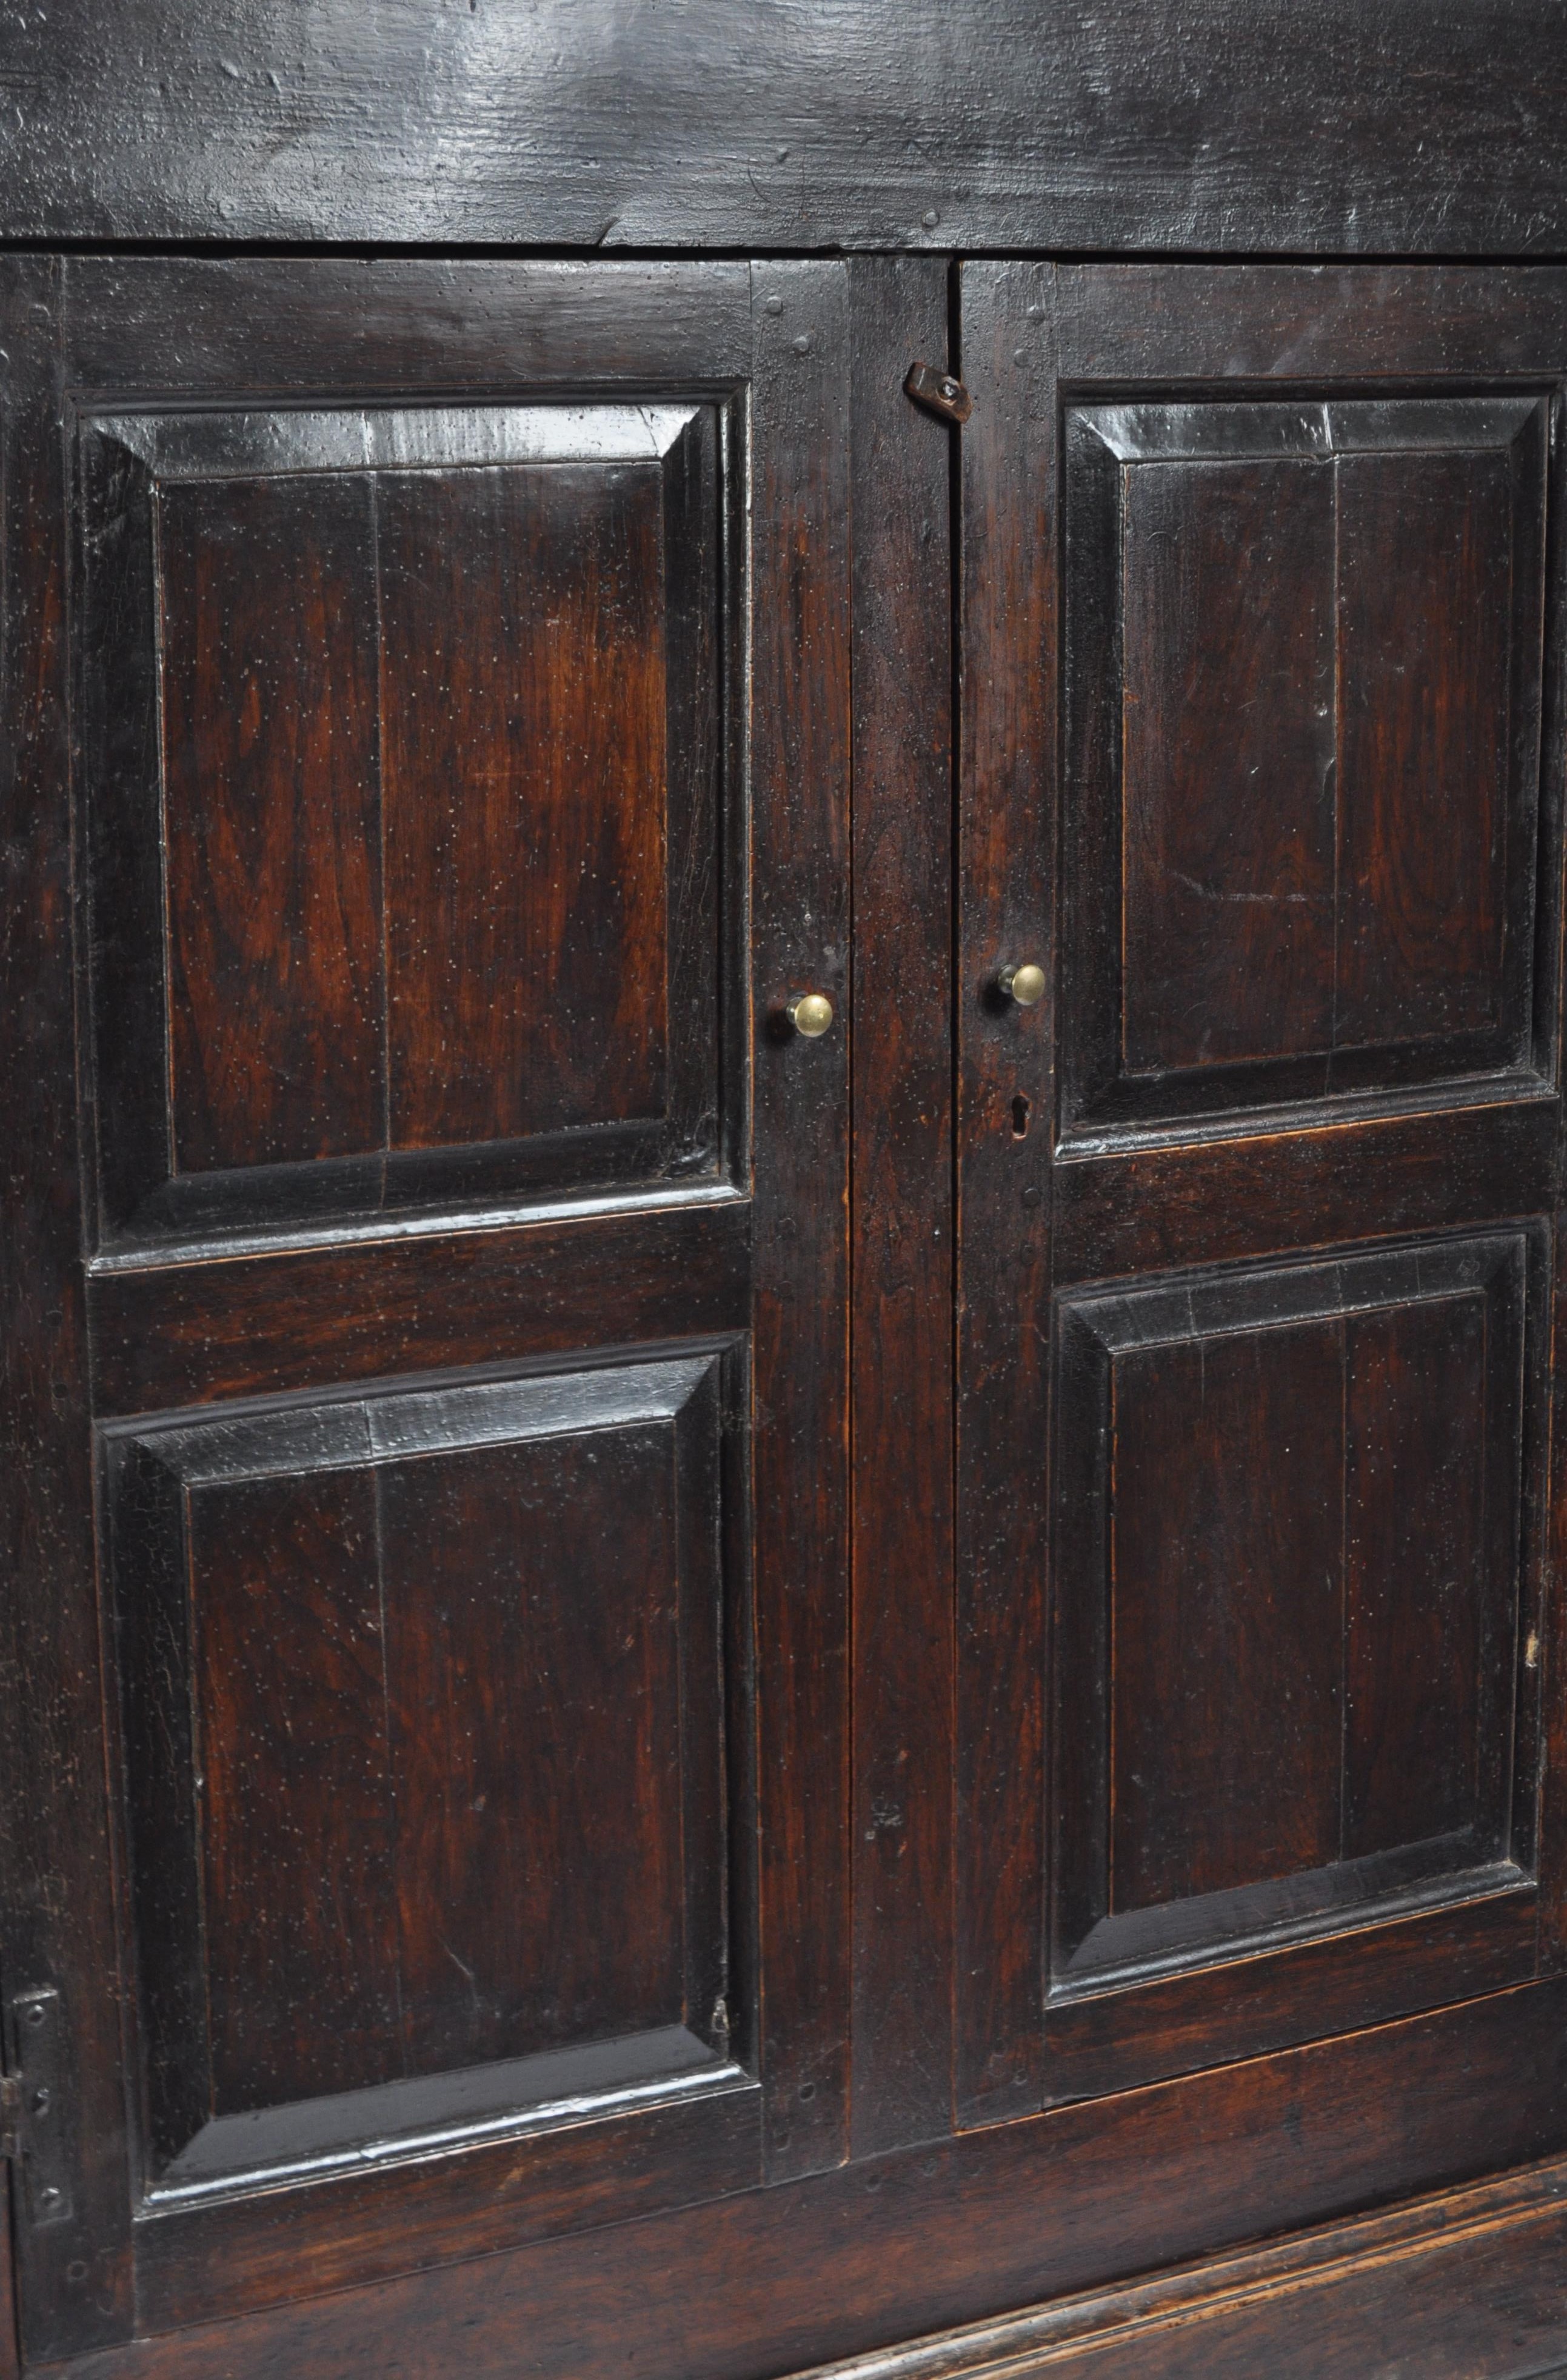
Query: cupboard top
x,y
1425,128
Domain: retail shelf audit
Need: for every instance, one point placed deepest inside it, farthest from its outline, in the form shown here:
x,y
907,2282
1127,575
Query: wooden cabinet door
x,y
424,783
1261,1698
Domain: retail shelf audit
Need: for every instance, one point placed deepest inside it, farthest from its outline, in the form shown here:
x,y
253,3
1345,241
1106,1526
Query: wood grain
x,y
254,1325
1419,1642
1301,711
800,938
1227,1621
532,1606
57,1910
1227,780
298,1857
903,1217
1465,2281
1228,133
1005,1104
946,2233
523,684
1425,563
271,805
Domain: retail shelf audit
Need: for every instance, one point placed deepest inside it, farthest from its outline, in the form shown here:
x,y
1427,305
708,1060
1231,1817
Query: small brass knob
x,y
811,1013
1023,986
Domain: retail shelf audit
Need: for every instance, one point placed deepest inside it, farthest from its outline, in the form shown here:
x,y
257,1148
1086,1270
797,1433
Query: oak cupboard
x,y
782,1193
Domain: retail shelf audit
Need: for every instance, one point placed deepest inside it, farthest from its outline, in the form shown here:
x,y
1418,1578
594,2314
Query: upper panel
x,y
403,740
856,125
1304,703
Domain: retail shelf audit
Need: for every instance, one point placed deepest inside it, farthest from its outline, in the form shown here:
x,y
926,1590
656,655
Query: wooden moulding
x,y
1467,2282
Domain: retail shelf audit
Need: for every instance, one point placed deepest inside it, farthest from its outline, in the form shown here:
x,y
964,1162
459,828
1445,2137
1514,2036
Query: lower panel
x,y
428,1695
1295,1651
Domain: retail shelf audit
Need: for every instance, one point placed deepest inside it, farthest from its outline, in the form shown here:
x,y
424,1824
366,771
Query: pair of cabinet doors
x,y
490,1752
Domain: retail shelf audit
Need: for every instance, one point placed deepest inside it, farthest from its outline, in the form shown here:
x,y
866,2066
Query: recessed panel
x,y
404,738
1288,1578
423,1722
1303,704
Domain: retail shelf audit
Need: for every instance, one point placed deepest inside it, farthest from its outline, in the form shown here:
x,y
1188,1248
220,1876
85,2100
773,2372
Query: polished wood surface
x,y
1432,129
1441,2280
1280,1556
684,1691
463,785
919,2239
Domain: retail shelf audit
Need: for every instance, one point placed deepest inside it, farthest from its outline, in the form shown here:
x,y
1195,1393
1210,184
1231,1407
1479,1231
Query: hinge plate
x,y
33,2125
10,2114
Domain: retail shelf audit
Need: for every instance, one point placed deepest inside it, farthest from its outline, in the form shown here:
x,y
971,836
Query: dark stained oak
x,y
800,926
1226,1619
58,1914
297,1822
460,668
370,1648
1007,587
1425,565
525,772
408,808
949,2232
533,1664
1417,1635
1302,710
903,1217
1302,874
1285,1686
1228,833
270,820
685,1695
1464,2280
1244,128
253,1325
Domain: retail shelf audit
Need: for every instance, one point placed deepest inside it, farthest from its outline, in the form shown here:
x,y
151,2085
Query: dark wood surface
x,y
1290,1605
1006,1099
1432,128
460,776
944,2233
431,710
55,1875
1464,2282
1303,713
761,1696
904,1214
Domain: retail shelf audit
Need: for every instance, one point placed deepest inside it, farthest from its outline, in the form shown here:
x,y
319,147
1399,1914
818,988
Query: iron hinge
x,y
10,2114
939,393
32,2129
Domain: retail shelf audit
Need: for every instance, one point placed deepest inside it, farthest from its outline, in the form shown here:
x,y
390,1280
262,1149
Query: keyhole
x,y
1020,1117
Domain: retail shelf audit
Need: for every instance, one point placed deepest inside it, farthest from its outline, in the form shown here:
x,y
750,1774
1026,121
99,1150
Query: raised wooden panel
x,y
423,1713
1291,1611
404,743
1303,704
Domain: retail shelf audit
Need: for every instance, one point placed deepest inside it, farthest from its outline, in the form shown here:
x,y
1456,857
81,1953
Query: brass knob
x,y
811,1013
1023,986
